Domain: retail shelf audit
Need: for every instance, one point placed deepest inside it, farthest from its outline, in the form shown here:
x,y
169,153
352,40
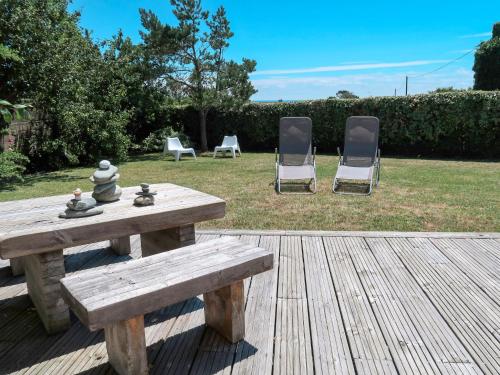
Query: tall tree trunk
x,y
203,130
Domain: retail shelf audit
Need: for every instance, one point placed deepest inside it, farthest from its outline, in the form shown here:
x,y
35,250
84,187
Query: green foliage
x,y
12,112
345,94
6,54
155,141
12,166
78,98
455,124
487,63
191,59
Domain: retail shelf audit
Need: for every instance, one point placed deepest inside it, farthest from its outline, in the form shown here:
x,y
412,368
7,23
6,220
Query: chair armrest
x,y
314,155
340,156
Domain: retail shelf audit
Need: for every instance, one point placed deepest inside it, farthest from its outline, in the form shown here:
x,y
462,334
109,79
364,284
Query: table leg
x,y
167,239
43,273
16,266
121,246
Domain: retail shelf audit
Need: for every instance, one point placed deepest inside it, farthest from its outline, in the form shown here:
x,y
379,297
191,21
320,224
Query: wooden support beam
x,y
43,274
167,239
225,311
121,246
126,346
16,266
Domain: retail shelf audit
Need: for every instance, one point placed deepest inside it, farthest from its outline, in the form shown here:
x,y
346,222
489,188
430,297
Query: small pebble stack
x,y
80,207
105,178
145,197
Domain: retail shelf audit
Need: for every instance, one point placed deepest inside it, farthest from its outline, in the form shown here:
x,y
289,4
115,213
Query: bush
x,y
155,141
12,166
453,124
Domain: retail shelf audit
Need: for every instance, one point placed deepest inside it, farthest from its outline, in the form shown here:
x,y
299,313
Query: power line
x,y
438,68
444,65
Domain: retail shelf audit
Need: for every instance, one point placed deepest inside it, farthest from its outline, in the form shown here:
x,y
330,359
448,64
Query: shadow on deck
x,y
361,303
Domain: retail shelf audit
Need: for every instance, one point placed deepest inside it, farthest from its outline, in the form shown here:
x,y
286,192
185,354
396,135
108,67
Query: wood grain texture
x,y
167,239
137,287
126,346
43,275
16,266
121,246
33,226
424,293
225,311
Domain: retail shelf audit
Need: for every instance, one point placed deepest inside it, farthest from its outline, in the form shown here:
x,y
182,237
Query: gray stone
x,y
99,189
82,204
115,178
104,164
70,214
109,195
104,175
144,200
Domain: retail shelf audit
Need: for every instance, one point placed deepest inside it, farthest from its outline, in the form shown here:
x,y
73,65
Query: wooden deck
x,y
360,303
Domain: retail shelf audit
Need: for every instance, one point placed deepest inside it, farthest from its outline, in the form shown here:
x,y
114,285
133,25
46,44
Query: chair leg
x,y
177,156
234,153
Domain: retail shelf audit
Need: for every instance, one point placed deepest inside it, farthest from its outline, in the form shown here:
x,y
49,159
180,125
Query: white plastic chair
x,y
229,143
173,146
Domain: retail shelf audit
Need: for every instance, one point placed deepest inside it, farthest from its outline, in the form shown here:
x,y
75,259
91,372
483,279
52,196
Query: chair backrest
x,y
361,141
295,141
174,144
229,141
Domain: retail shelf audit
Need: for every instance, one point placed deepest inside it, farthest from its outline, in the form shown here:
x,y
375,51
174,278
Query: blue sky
x,y
312,49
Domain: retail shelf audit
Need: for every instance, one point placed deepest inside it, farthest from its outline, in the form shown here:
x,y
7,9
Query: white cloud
x,y
365,84
478,35
339,68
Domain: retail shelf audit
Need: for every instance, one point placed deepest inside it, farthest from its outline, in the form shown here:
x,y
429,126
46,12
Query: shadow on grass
x,y
296,188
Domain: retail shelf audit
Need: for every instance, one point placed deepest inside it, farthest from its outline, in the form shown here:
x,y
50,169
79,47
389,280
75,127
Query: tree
x,y
190,59
344,94
487,62
61,71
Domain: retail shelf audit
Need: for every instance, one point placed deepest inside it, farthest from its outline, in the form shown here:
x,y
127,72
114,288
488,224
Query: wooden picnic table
x,y
33,236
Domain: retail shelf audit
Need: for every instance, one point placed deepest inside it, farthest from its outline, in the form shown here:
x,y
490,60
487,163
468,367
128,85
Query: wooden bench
x,y
117,297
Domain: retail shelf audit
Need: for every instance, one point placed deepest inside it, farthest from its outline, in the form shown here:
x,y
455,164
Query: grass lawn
x,y
413,195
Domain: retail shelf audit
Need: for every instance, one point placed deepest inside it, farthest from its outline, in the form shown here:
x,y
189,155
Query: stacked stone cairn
x,y
104,179
80,207
145,197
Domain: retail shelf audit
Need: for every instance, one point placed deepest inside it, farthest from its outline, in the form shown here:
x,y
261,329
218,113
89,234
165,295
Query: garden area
x,y
413,195
127,246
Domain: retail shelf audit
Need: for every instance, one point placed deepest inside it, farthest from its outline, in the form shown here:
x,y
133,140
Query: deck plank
x,y
329,338
293,350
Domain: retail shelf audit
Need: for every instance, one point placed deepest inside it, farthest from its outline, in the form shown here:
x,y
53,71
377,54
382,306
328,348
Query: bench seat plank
x,y
121,291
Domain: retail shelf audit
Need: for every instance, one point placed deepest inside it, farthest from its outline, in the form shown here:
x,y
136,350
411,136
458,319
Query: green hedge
x,y
453,124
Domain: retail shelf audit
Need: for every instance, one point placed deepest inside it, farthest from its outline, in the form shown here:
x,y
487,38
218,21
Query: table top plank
x,y
33,226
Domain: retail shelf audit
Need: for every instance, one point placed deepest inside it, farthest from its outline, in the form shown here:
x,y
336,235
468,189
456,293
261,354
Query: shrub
x,y
155,141
452,124
12,166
